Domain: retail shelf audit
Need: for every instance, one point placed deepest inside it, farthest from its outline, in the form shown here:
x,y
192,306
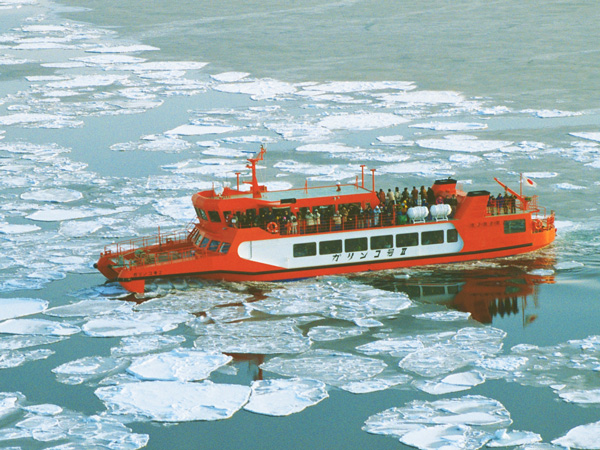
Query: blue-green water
x,y
92,100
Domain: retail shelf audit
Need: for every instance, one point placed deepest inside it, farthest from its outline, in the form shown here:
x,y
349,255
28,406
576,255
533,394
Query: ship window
x,y
330,247
307,249
197,238
432,237
214,216
204,242
225,247
356,245
451,236
201,213
214,245
379,242
514,226
407,240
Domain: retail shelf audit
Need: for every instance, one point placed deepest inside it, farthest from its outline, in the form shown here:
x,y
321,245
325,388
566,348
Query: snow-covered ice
x,y
281,397
18,307
174,401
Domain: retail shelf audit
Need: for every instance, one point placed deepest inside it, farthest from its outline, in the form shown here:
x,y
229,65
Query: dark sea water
x,y
113,114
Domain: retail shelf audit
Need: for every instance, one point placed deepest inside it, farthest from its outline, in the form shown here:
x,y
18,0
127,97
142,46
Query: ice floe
x,y
174,401
38,326
199,130
282,397
122,49
450,126
361,121
134,324
258,89
330,367
88,368
462,143
53,195
18,307
7,228
591,135
178,365
583,437
456,382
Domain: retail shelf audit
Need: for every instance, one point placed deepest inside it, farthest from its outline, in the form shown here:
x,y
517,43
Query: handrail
x,y
159,239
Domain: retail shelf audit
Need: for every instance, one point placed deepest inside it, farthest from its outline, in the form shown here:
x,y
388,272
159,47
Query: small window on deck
x,y
451,236
214,245
356,245
204,242
379,242
407,240
214,216
201,213
330,247
514,226
307,249
432,237
225,247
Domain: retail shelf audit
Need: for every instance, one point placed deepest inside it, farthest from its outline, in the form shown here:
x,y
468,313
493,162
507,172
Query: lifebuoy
x,y
537,225
272,228
550,220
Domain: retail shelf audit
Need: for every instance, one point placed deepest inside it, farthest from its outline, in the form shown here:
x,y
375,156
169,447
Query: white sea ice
x,y
282,397
91,308
8,228
450,126
504,438
60,214
445,437
38,327
251,337
53,195
423,97
444,316
122,49
583,437
175,401
141,345
361,121
229,77
178,365
462,143
330,333
134,324
452,383
592,136
333,368
15,358
18,307
259,89
344,87
24,341
199,130
581,396
375,384
78,228
88,368
569,187
328,148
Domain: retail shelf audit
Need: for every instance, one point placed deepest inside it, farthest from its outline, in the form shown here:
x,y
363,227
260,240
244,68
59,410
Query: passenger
x,y
453,202
391,199
344,213
360,218
310,222
368,216
513,204
415,196
405,194
376,213
337,221
338,187
381,196
317,216
491,205
430,196
423,194
293,224
499,203
397,195
439,200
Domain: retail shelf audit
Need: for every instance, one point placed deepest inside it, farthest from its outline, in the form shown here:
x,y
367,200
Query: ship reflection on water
x,y
484,292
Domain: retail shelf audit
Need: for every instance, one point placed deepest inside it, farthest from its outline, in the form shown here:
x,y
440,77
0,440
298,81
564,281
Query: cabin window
x,y
197,238
451,236
379,242
432,237
514,226
306,249
214,216
356,245
407,240
201,214
214,245
330,247
204,242
225,247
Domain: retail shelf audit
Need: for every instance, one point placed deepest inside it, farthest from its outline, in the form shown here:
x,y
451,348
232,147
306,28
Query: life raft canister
x,y
272,228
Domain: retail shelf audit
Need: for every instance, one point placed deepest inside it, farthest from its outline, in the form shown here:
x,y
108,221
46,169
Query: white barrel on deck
x,y
440,212
417,213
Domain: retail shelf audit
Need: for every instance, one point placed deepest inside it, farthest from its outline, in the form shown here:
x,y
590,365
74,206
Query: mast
x,y
256,189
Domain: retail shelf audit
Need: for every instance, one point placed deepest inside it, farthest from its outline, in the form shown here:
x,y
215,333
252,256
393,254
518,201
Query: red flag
x,y
530,182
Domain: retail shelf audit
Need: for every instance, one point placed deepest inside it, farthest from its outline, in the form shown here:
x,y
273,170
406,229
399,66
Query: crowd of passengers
x,y
392,210
502,204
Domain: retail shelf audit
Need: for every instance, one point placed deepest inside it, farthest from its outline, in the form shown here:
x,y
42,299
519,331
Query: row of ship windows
x,y
376,243
208,244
